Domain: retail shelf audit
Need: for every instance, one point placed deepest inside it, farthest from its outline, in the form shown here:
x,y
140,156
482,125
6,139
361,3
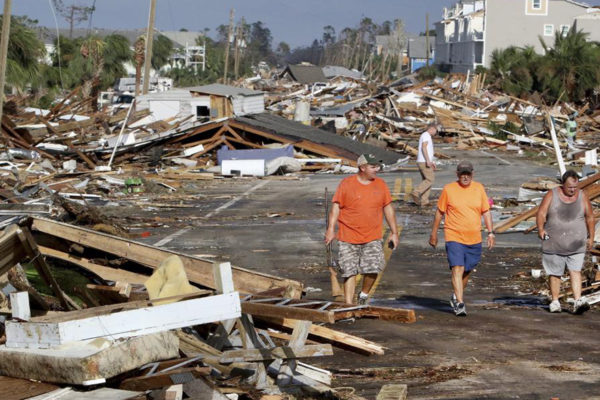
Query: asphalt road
x,y
508,346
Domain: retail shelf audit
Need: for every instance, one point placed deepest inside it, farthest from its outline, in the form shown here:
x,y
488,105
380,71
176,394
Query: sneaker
x,y
362,301
460,310
580,306
453,301
554,307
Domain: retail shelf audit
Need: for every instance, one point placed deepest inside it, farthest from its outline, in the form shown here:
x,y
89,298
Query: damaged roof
x,y
223,90
305,73
295,130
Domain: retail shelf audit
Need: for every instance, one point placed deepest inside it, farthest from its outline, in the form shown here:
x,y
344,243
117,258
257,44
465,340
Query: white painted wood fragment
x,y
44,334
19,304
193,150
223,277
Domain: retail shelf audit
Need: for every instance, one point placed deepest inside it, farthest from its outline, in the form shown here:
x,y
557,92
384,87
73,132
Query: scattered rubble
x,y
212,329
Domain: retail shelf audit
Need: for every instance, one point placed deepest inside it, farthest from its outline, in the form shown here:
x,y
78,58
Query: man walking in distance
x,y
420,195
359,206
462,204
565,223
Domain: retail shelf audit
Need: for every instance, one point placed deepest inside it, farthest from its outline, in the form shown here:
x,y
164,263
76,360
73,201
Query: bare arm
x,y
334,213
542,213
428,160
433,238
491,238
390,218
589,220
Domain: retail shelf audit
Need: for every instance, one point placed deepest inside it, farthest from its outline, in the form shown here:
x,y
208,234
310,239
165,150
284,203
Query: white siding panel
x,y
163,109
243,105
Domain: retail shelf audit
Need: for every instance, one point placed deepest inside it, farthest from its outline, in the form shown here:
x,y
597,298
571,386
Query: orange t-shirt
x,y
361,209
463,207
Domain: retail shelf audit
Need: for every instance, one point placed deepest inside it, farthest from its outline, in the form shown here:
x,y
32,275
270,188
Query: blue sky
x,y
296,22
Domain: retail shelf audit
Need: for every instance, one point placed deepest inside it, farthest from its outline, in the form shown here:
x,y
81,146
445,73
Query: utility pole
x,y
149,37
238,37
229,34
427,37
4,50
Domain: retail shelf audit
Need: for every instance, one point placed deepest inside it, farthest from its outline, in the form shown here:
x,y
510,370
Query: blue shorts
x,y
467,255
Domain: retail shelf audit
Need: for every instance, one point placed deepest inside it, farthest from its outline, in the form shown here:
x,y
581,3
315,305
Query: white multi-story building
x,y
471,30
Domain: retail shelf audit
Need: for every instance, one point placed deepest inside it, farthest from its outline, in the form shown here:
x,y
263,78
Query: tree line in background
x,y
569,70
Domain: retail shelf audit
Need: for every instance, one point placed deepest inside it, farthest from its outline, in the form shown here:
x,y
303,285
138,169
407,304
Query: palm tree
x,y
116,53
162,49
569,70
511,69
25,51
92,50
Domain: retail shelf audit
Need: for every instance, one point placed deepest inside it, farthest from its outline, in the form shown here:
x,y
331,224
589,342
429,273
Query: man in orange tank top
x,y
359,206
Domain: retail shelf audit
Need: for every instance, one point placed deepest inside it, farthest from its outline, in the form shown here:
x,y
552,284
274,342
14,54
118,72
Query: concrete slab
x,y
88,363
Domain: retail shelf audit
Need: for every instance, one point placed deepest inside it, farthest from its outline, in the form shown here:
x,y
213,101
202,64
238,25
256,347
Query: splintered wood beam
x,y
319,149
271,310
161,379
233,132
198,271
272,353
245,143
208,148
11,251
229,145
338,338
106,273
196,131
258,132
38,261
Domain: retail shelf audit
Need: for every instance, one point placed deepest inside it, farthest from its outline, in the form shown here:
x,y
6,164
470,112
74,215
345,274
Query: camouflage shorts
x,y
366,258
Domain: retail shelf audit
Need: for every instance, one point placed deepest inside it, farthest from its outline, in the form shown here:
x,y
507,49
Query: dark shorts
x,y
466,255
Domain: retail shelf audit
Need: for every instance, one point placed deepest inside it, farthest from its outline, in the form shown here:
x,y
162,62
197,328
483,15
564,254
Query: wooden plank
x,y
38,333
11,250
287,369
393,392
119,293
38,261
161,379
271,310
338,338
203,389
106,273
198,270
272,353
18,389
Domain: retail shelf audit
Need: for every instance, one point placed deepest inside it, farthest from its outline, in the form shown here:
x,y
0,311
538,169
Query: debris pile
x,y
153,322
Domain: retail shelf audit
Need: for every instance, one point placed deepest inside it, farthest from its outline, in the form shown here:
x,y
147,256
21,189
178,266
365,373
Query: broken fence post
x,y
223,277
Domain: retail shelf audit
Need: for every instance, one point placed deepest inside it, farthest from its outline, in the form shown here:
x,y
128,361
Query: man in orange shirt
x,y
462,204
359,205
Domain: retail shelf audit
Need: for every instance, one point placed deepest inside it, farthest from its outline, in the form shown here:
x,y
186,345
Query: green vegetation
x,y
68,279
568,71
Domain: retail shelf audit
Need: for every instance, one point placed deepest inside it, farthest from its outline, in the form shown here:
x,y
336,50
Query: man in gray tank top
x,y
565,223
